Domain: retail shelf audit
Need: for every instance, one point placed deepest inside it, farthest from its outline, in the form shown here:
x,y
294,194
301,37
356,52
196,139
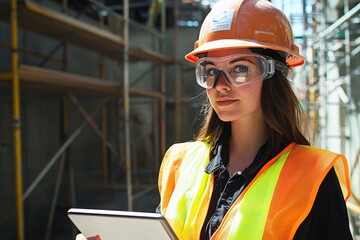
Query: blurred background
x,y
93,92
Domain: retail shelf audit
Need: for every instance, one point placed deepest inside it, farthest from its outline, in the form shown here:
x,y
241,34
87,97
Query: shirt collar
x,y
220,158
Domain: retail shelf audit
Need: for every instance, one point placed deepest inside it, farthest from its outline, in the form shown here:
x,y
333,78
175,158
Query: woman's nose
x,y
222,82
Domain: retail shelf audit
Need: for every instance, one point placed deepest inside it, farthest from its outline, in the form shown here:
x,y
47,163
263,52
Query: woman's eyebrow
x,y
209,62
240,59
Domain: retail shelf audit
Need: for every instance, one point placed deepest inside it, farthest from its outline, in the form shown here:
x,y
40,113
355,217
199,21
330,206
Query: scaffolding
x,y
68,30
331,46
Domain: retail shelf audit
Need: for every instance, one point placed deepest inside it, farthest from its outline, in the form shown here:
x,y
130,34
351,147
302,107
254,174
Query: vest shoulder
x,y
178,150
179,156
311,153
313,150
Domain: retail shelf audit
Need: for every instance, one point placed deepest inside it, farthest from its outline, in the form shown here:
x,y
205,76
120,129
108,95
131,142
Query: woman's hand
x,y
82,237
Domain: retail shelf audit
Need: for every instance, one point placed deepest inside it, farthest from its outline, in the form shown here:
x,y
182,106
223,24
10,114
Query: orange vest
x,y
272,206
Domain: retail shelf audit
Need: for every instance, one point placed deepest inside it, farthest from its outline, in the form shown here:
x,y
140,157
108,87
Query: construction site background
x,y
93,92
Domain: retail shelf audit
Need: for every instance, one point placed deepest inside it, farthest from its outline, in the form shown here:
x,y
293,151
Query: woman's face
x,y
234,103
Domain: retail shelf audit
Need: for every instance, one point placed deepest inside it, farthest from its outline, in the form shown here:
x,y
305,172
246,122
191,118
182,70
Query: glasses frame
x,y
269,65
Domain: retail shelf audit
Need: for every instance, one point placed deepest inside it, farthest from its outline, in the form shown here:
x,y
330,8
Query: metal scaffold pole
x,y
177,89
104,152
163,81
127,106
17,121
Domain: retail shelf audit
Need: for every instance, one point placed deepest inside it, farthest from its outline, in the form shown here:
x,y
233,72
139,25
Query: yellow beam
x,y
17,121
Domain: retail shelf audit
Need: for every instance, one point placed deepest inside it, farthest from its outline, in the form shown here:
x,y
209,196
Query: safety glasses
x,y
239,69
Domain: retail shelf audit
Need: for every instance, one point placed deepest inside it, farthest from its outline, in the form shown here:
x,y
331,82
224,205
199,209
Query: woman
x,y
251,173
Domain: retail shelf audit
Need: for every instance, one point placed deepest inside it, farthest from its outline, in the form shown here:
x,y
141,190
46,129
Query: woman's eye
x,y
241,69
211,71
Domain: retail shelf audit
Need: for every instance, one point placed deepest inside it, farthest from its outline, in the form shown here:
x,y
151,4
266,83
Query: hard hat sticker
x,y
221,20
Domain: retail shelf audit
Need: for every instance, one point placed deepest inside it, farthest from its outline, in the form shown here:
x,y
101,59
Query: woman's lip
x,y
225,102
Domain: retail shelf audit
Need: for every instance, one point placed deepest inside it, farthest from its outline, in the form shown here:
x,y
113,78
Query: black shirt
x,y
328,218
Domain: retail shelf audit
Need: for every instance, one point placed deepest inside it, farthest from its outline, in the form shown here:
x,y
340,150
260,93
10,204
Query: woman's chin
x,y
226,117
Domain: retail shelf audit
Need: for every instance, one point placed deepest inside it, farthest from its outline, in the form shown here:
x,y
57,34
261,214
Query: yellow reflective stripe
x,y
250,218
183,208
195,211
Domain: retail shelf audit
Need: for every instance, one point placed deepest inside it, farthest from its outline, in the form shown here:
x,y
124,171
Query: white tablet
x,y
116,225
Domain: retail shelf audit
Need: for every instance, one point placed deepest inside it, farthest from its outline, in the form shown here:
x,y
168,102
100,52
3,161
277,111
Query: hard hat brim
x,y
294,59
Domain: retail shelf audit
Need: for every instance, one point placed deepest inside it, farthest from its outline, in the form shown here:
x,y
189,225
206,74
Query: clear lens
x,y
239,70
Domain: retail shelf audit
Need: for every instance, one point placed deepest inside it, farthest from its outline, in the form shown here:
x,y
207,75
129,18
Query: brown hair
x,y
281,109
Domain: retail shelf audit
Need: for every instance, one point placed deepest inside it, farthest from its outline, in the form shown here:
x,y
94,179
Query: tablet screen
x,y
113,225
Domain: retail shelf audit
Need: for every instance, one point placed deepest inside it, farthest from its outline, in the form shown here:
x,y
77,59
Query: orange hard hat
x,y
246,24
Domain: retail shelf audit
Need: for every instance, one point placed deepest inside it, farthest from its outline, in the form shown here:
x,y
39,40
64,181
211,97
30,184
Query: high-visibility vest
x,y
272,206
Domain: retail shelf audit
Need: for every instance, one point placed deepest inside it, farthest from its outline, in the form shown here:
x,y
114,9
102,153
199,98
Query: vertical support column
x,y
312,92
127,106
177,87
64,131
325,111
344,137
104,155
163,81
64,160
17,121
